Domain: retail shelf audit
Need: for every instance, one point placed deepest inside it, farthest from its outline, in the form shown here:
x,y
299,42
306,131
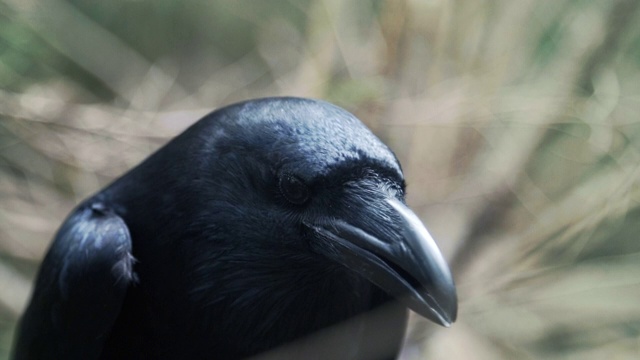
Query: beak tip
x,y
439,318
450,320
442,308
446,320
452,314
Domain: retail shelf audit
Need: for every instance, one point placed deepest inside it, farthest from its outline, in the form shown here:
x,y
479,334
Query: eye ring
x,y
293,189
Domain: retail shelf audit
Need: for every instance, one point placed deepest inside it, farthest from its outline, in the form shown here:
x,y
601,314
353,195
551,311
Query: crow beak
x,y
400,258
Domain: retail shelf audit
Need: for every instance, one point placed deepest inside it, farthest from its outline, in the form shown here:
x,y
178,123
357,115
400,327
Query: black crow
x,y
263,223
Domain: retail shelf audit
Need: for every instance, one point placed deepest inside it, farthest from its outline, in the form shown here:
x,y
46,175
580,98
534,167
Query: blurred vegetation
x,y
517,123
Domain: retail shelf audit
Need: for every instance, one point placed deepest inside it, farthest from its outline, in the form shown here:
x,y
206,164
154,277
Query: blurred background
x,y
517,123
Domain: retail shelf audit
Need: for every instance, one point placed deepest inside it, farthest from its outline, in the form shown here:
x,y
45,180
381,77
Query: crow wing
x,y
80,288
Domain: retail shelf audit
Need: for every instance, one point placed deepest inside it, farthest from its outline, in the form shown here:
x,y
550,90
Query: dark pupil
x,y
294,189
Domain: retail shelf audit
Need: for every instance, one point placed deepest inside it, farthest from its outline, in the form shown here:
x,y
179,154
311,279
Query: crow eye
x,y
293,189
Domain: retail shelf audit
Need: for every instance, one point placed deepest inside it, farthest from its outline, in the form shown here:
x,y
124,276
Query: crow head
x,y
296,196
274,218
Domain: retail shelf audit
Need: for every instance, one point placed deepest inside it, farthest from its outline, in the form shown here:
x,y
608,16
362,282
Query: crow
x,y
263,223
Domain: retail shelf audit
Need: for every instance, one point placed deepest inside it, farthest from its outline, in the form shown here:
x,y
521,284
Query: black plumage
x,y
263,223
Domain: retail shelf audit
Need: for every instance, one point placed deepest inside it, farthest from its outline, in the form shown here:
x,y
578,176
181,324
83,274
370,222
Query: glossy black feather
x,y
80,288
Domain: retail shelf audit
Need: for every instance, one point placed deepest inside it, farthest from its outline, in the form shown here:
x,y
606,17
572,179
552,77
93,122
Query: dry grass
x,y
516,123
